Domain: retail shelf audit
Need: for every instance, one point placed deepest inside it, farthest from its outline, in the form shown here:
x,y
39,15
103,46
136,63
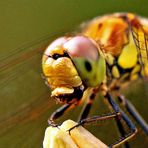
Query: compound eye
x,y
81,46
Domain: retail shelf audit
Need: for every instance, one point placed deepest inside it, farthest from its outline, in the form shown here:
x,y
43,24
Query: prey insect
x,y
109,52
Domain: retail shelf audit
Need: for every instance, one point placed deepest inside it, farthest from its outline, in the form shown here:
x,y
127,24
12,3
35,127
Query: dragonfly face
x,y
70,65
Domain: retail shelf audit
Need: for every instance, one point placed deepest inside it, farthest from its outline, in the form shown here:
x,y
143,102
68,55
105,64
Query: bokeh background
x,y
26,28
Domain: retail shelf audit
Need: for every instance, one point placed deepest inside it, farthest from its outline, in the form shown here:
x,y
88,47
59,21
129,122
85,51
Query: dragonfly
x,y
105,56
25,102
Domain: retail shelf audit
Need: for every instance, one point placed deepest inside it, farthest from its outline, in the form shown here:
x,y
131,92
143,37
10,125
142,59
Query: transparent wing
x,y
24,102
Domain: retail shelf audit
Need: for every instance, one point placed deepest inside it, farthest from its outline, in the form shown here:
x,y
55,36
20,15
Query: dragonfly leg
x,y
118,113
87,107
129,123
86,111
95,119
58,113
134,113
121,130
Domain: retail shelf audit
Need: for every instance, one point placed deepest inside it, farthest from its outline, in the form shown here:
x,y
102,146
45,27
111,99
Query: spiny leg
x,y
121,129
134,113
131,126
94,119
85,112
58,113
87,107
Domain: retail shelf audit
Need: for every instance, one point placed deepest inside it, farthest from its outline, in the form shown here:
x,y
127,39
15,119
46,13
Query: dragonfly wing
x,y
141,41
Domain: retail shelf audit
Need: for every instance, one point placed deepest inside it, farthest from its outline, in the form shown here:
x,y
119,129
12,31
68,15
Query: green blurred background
x,y
26,28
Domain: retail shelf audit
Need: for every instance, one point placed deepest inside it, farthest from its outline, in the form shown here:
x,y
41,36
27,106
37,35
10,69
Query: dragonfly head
x,y
70,65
